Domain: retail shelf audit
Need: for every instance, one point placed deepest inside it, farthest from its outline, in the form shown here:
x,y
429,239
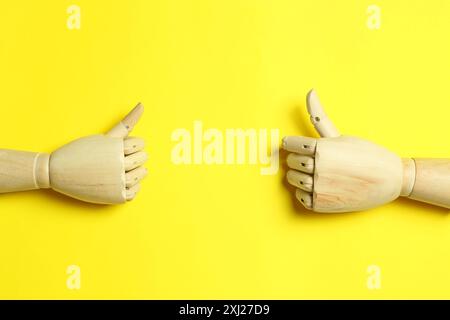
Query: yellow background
x,y
216,231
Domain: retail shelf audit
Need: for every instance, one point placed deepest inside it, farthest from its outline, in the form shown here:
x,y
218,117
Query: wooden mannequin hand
x,y
340,173
104,169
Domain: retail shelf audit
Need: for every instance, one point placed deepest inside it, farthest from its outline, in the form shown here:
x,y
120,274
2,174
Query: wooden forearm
x,y
427,180
21,171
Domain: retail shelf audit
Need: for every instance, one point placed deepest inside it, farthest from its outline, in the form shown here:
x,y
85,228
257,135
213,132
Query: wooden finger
x,y
132,192
124,127
301,145
135,160
319,118
132,145
300,180
300,163
304,198
134,176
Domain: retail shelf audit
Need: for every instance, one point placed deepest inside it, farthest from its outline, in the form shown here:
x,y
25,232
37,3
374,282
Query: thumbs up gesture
x,y
336,173
103,169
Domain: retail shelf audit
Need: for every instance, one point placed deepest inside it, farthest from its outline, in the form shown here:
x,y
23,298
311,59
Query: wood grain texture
x,y
90,169
432,181
22,171
352,174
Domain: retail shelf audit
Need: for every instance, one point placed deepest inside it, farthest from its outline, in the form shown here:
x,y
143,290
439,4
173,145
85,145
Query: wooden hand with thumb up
x,y
103,169
337,173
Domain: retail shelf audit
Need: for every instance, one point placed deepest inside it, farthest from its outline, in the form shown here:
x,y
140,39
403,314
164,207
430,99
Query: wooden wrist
x,y
42,171
409,176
